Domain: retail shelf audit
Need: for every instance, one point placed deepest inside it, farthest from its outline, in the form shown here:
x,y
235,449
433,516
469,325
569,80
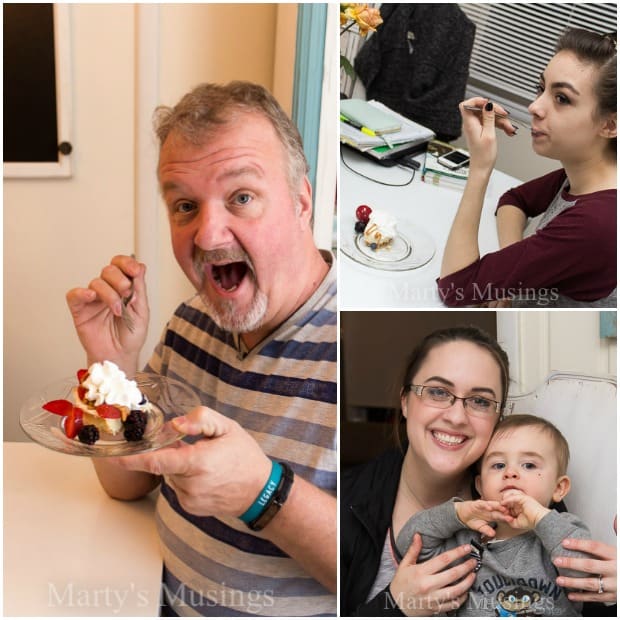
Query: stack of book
x,y
378,131
436,174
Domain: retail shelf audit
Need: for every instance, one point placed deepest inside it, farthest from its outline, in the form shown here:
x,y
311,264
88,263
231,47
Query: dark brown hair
x,y
599,50
472,334
520,420
469,333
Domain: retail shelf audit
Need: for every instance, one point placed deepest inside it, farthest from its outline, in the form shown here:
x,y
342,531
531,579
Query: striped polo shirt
x,y
283,392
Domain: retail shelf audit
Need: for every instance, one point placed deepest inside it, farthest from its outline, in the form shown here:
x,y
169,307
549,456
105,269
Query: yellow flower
x,y
366,18
352,13
343,16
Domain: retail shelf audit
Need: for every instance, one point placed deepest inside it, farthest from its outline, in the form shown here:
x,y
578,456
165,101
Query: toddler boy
x,y
522,472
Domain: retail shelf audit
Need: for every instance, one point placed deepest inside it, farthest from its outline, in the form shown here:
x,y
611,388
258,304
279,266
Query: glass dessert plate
x,y
170,398
411,248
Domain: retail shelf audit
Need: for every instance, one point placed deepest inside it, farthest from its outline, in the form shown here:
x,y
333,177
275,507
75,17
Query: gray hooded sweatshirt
x,y
516,576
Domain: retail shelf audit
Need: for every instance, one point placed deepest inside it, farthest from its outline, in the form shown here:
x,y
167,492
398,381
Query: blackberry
x,y
135,425
133,433
360,226
136,416
89,434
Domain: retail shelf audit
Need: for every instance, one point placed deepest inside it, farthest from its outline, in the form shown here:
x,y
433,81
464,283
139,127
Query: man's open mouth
x,y
224,268
230,275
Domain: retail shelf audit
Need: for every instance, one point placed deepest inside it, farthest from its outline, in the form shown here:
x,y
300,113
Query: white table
x,y
70,550
428,207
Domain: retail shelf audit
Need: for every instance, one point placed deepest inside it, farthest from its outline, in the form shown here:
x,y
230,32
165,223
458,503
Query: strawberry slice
x,y
82,374
59,407
108,411
81,392
73,422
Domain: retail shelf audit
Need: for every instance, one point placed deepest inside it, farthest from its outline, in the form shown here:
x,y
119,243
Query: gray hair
x,y
210,105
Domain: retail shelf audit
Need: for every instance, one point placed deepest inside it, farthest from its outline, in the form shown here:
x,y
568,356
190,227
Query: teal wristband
x,y
259,504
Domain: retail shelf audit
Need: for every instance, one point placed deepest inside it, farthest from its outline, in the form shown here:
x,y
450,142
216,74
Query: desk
x,y
430,207
70,550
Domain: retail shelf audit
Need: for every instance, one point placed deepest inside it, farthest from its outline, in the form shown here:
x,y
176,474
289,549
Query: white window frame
x,y
62,53
514,42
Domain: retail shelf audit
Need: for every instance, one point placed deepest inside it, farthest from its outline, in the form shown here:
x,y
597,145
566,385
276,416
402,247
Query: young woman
x,y
570,260
454,389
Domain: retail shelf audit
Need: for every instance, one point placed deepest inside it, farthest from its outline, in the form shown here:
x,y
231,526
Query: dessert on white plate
x,y
105,401
380,229
382,241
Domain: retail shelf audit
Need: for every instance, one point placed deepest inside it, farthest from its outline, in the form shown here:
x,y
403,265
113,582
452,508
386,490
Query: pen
x,y
473,108
348,121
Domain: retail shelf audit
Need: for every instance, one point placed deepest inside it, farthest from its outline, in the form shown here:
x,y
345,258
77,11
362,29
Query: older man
x,y
258,342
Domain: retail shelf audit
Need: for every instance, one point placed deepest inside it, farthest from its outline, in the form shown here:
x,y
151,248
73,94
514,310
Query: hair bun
x,y
612,38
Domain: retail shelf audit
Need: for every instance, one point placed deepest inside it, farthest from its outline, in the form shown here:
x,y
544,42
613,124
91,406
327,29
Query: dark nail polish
x,y
489,106
515,128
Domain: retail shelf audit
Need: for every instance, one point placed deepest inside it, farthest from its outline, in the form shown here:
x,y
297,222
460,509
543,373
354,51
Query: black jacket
x,y
367,496
417,63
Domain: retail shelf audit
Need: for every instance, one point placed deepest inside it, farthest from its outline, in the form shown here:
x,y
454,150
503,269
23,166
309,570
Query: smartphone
x,y
454,159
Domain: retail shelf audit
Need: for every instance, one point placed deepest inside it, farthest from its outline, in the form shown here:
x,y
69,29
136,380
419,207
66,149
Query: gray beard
x,y
224,312
229,319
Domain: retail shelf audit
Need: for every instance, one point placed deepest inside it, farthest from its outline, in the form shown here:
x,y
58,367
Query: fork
x,y
128,320
474,108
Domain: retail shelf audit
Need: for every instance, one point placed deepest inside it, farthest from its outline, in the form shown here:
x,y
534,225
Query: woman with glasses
x,y
453,392
570,259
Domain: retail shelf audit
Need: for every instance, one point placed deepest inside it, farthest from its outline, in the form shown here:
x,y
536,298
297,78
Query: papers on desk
x,y
436,174
386,146
364,114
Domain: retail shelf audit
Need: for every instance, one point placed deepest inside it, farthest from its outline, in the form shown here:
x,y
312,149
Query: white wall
x,y
59,233
539,342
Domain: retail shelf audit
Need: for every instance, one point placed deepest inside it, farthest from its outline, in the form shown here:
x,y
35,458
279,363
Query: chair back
x,y
584,410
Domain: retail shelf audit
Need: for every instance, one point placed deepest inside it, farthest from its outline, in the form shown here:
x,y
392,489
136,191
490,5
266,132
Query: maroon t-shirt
x,y
574,254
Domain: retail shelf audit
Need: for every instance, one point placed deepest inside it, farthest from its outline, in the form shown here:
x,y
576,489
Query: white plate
x,y
170,398
410,249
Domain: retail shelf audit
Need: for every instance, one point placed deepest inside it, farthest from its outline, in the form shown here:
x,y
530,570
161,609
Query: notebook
x,y
363,113
388,146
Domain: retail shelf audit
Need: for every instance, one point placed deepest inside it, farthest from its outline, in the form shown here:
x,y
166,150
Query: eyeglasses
x,y
441,398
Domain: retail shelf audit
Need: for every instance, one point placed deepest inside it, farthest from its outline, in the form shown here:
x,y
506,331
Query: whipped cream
x,y
107,383
381,228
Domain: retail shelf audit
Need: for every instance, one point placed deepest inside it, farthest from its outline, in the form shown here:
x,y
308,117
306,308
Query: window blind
x,y
514,42
350,44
